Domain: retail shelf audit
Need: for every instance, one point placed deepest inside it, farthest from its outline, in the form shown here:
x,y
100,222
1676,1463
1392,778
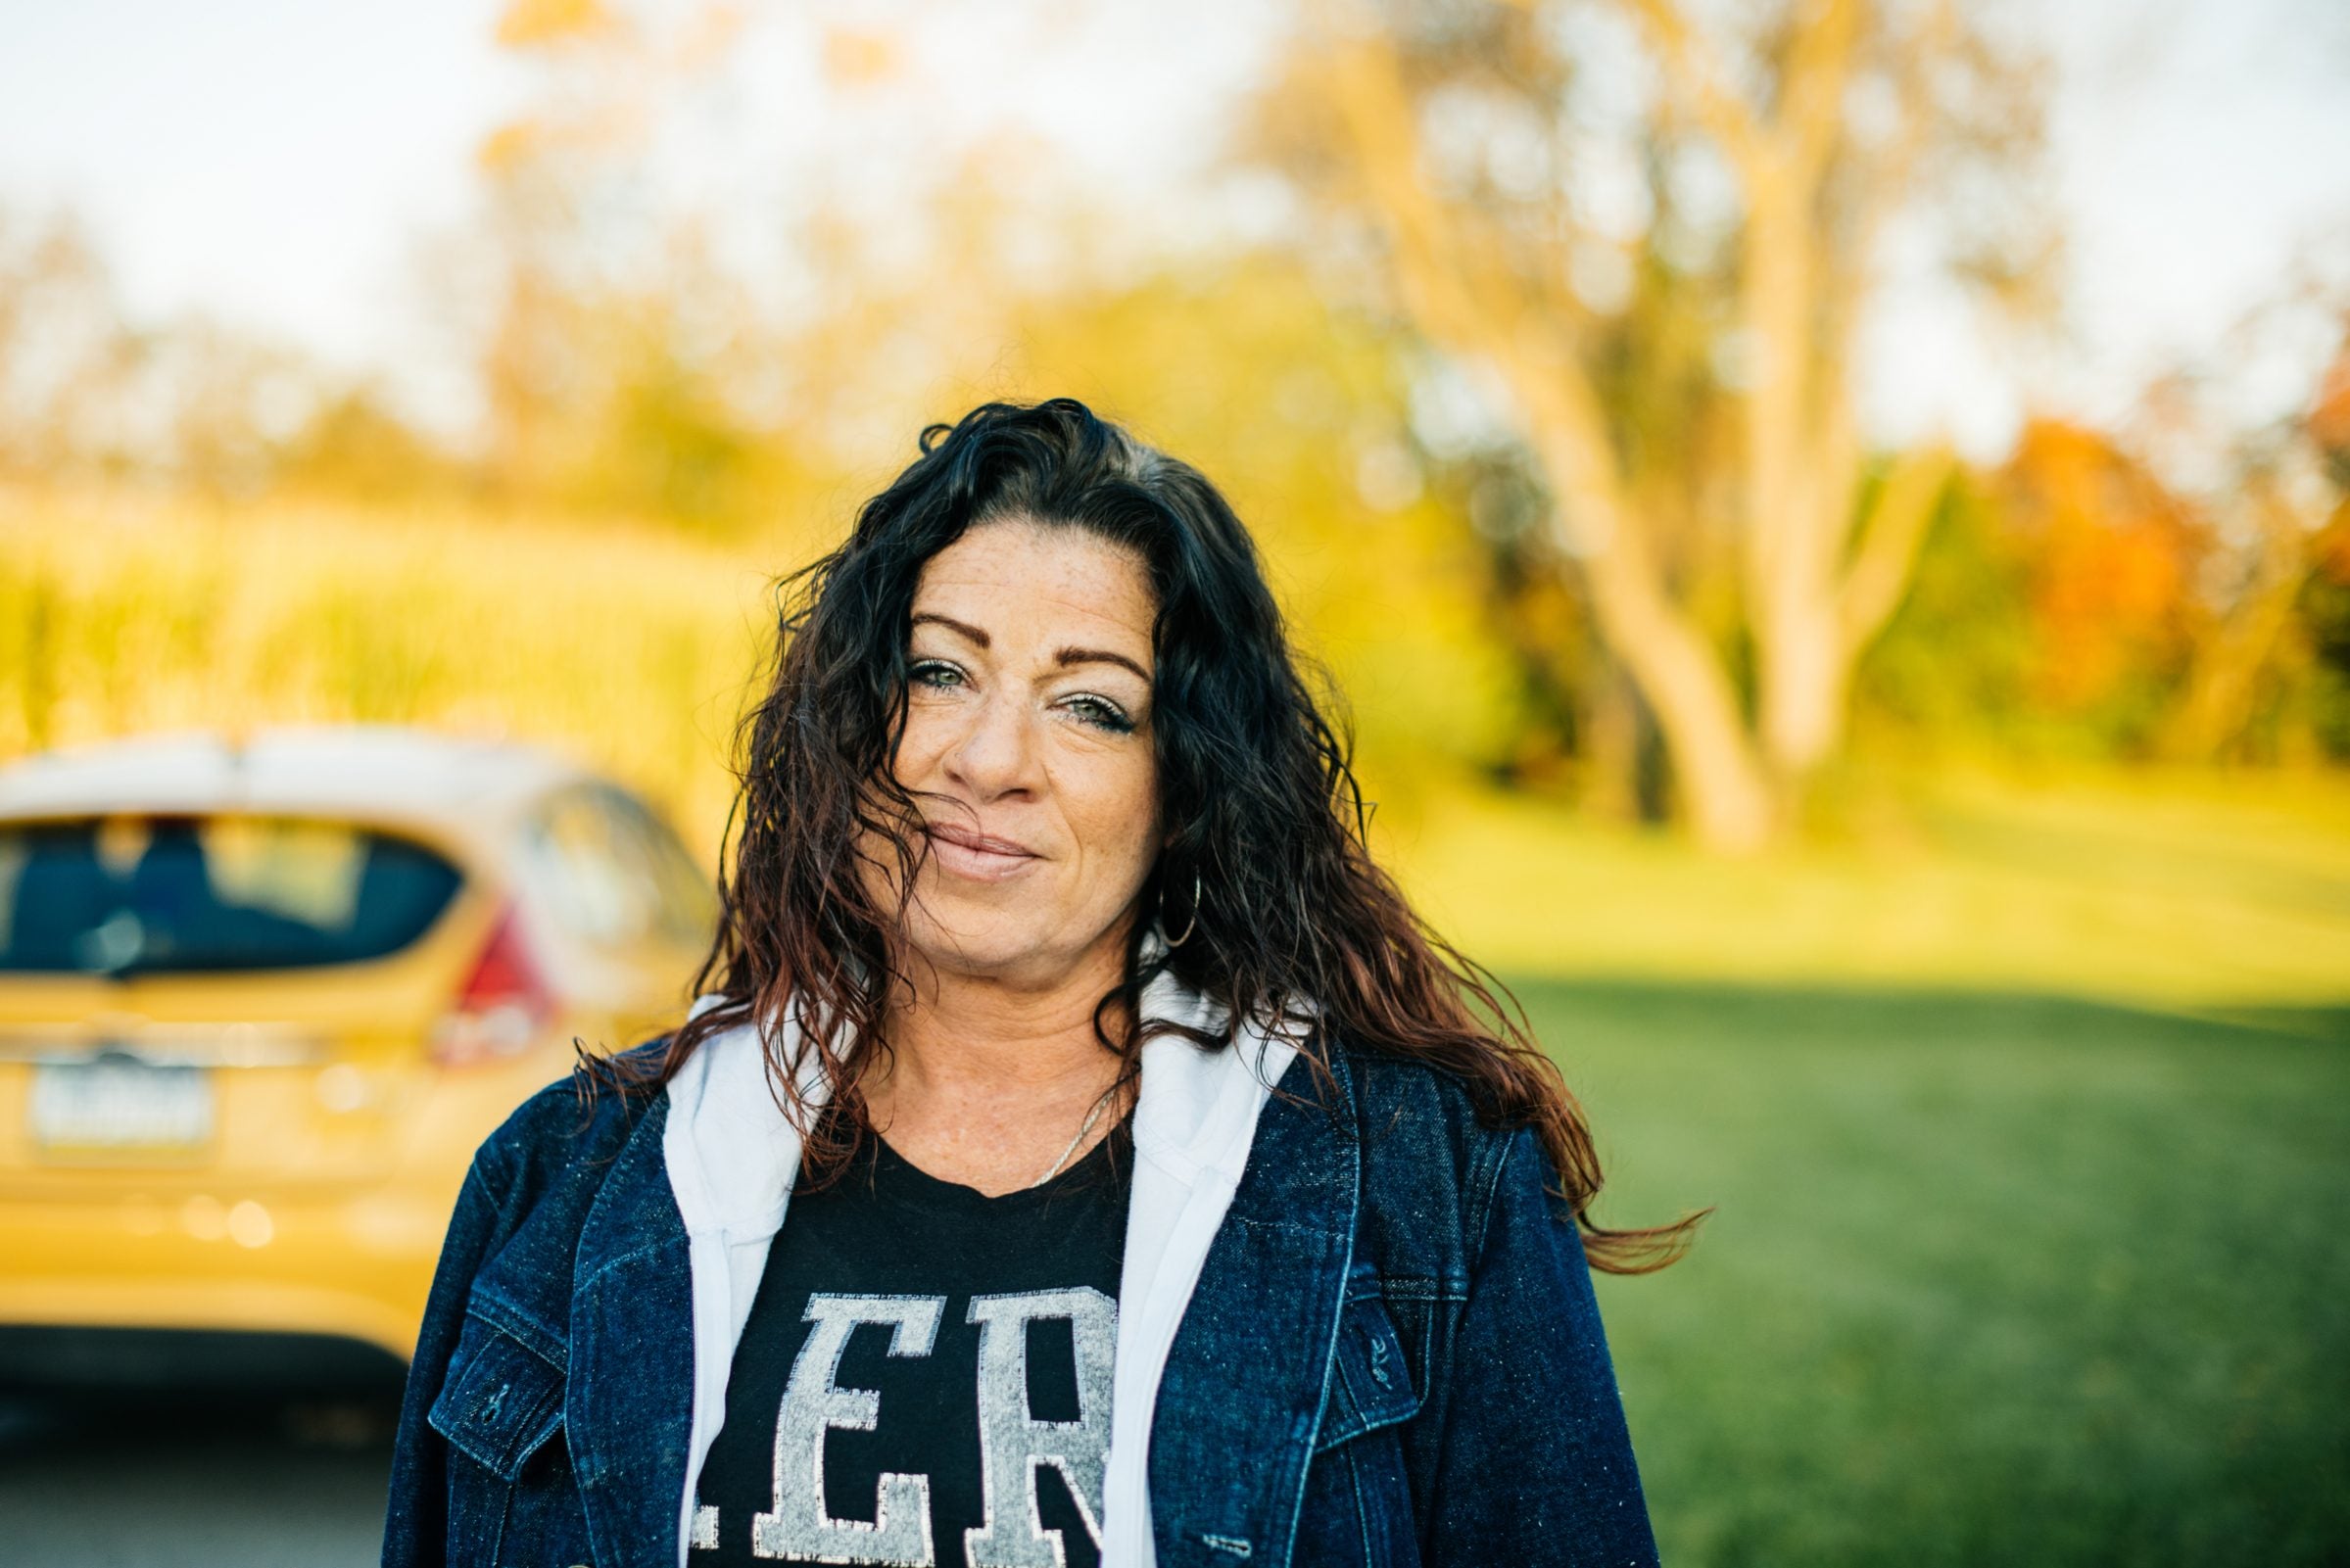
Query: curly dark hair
x,y
1262,810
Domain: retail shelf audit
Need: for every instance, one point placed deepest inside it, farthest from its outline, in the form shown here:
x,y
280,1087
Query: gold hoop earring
x,y
1189,924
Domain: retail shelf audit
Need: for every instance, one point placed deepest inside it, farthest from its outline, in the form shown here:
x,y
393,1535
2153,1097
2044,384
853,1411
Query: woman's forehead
x,y
1021,580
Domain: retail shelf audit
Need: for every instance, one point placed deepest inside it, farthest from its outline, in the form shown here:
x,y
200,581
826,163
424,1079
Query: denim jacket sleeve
x,y
1536,1464
415,1518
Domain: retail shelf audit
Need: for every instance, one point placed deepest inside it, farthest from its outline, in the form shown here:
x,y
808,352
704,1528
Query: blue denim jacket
x,y
1392,1354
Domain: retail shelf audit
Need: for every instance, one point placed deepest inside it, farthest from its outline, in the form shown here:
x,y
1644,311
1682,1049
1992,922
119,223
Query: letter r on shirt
x,y
1014,1446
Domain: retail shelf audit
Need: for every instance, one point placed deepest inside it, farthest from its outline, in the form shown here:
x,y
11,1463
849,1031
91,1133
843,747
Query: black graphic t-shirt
x,y
924,1376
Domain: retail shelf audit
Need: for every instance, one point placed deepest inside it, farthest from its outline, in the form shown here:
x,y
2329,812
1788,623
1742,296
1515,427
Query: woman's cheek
x,y
1126,822
917,749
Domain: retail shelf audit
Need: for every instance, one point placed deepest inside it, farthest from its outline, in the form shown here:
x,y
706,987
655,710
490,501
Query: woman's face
x,y
1028,746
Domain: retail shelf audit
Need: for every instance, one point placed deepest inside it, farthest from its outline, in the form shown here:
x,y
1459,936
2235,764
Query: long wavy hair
x,y
1263,814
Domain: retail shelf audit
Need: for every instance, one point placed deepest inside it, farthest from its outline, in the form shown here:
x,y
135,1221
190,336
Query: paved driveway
x,y
181,1484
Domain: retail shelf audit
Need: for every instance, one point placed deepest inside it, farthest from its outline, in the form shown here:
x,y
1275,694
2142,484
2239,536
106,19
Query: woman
x,y
1156,1189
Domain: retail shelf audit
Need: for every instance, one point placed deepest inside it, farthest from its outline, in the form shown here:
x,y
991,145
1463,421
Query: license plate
x,y
131,1107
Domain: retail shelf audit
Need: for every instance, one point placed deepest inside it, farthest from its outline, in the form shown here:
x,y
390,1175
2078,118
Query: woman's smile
x,y
979,857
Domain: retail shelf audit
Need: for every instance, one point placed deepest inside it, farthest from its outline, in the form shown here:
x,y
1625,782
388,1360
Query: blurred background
x,y
1828,515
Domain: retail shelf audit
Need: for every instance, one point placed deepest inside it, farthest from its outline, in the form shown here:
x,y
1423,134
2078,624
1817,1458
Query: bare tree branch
x,y
1464,300
1889,538
1812,98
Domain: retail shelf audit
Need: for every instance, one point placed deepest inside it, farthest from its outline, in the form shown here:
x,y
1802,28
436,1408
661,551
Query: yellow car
x,y
260,997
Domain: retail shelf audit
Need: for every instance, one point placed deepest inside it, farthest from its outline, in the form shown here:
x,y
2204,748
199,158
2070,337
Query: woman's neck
x,y
985,1084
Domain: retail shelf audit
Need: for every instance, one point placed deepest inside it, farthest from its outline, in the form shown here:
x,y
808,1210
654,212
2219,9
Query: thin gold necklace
x,y
1091,1116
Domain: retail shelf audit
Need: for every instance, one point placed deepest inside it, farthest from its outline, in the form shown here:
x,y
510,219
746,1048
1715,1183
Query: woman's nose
x,y
995,754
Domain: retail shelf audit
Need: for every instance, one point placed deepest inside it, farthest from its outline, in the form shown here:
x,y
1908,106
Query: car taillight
x,y
503,1004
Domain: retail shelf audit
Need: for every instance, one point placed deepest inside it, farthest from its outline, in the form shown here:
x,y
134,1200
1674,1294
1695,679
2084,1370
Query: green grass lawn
x,y
1993,1278
2025,1104
2135,885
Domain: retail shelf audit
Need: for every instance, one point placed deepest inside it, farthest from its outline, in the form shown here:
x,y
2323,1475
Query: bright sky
x,y
275,161
266,159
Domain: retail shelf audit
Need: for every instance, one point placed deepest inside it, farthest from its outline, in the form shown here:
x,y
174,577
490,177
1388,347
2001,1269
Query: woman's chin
x,y
994,944
966,939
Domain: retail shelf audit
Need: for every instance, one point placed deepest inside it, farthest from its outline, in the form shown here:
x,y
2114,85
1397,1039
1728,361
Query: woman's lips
x,y
977,855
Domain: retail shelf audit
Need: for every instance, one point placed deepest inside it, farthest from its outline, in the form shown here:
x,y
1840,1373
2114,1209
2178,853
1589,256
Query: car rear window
x,y
164,895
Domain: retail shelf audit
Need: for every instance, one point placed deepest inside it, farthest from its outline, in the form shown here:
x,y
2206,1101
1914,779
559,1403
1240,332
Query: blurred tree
x,y
2110,557
1580,726
2173,589
2270,492
63,353
1654,237
85,394
2323,614
355,443
1961,659
610,348
226,402
2324,609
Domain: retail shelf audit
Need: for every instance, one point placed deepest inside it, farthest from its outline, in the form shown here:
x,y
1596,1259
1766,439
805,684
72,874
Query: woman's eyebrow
x,y
1063,656
1068,656
951,624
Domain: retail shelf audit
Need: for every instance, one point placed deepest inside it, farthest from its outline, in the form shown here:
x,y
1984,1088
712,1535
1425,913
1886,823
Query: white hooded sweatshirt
x,y
732,1154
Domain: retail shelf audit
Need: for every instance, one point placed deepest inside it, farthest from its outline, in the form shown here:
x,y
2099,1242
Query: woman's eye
x,y
936,674
1101,713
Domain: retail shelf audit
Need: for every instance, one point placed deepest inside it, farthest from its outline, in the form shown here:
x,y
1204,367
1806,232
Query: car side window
x,y
688,900
613,873
593,884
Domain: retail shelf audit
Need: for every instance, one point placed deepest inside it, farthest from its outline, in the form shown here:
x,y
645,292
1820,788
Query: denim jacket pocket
x,y
1370,1385
500,1402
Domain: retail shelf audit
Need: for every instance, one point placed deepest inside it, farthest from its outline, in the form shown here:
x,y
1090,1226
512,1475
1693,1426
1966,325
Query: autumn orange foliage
x,y
2110,560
